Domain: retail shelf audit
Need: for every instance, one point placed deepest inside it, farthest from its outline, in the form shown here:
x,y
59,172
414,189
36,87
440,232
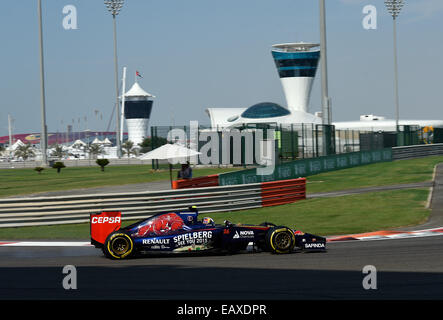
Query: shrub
x,y
58,165
102,163
39,169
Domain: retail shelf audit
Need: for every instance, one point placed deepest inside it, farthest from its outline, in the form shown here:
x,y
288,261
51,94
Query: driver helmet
x,y
208,221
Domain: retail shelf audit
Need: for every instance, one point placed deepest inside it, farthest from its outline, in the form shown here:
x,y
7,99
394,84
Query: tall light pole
x,y
394,7
44,132
326,111
114,7
325,100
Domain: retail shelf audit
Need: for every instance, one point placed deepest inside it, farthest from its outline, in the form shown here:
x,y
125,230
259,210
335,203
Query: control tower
x,y
297,65
138,107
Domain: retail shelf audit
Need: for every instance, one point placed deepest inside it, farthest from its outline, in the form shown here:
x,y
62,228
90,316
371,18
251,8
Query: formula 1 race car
x,y
174,232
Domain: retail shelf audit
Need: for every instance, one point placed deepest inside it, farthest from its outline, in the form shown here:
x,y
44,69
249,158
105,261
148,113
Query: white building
x,y
375,123
137,111
297,65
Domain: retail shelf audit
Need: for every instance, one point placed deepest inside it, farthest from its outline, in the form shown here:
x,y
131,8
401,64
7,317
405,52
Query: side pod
x,y
102,224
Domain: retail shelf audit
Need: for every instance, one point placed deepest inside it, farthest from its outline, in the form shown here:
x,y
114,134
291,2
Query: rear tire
x,y
280,240
118,245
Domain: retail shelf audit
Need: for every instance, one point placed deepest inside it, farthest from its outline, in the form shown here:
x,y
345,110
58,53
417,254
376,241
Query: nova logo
x,y
243,234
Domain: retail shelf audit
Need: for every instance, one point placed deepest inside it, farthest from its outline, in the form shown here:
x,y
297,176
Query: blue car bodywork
x,y
176,232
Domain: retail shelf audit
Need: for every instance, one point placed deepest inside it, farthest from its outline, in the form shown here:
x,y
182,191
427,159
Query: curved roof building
x,y
264,112
296,65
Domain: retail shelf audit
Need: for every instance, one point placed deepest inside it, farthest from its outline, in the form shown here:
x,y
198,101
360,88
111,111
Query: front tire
x,y
118,245
280,240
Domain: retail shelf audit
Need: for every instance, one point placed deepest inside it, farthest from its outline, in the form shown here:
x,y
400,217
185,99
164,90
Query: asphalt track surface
x,y
406,269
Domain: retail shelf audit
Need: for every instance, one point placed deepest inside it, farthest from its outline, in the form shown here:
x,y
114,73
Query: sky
x,y
197,54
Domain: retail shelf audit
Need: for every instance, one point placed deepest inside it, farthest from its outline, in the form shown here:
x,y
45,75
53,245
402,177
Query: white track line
x,y
43,244
400,235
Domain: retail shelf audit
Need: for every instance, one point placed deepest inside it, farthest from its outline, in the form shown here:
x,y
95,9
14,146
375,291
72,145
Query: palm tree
x,y
58,151
127,146
95,149
24,152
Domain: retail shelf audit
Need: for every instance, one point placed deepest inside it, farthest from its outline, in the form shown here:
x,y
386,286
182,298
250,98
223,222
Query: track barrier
x,y
410,152
283,192
216,193
19,212
307,167
200,182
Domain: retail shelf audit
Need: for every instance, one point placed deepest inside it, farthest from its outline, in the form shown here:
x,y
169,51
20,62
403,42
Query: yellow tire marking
x,y
125,254
274,233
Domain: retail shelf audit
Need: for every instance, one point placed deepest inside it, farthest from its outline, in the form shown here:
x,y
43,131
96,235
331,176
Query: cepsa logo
x,y
105,220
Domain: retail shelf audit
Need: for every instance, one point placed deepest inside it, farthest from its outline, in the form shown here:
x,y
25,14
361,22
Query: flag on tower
x,y
138,74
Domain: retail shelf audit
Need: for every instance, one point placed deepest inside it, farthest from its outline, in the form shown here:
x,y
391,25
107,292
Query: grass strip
x,y
323,216
27,181
378,174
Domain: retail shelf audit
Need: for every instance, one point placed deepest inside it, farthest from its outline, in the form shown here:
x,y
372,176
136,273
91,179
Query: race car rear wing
x,y
102,224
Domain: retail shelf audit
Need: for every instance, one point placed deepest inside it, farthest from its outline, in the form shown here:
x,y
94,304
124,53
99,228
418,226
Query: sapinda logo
x,y
314,245
106,220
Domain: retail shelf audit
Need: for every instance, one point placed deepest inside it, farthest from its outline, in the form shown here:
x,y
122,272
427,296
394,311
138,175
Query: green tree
x,y
149,144
39,169
102,163
59,166
24,152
